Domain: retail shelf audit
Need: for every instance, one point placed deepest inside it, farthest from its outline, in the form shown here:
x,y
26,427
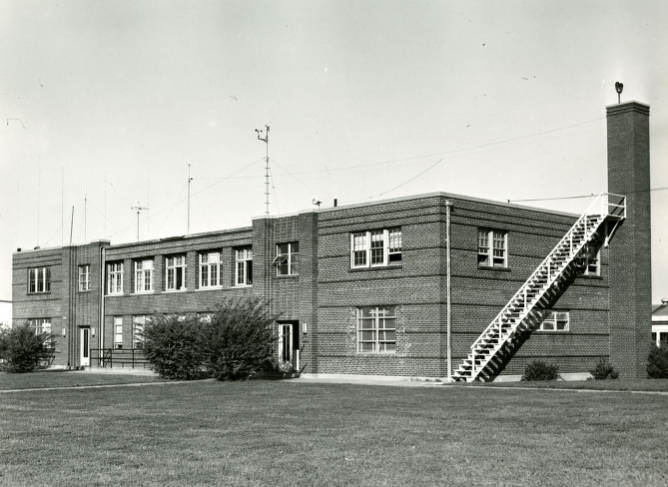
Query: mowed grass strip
x,y
649,385
287,433
68,379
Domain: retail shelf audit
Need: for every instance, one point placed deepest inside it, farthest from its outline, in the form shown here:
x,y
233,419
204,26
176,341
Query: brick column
x,y
630,248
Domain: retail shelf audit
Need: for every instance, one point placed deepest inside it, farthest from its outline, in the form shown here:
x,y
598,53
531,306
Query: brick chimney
x,y
629,253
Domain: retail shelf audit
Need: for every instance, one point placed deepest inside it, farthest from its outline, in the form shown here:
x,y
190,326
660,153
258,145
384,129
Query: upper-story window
x,y
143,275
492,248
592,265
175,273
375,248
243,272
39,280
555,321
115,278
84,277
287,259
209,269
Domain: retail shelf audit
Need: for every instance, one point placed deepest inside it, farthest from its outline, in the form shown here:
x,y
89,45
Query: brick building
x,y
406,287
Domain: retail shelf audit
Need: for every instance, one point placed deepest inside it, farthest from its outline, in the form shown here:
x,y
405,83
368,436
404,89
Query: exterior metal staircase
x,y
524,311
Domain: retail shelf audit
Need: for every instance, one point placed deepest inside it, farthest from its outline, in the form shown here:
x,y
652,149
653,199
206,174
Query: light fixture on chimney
x,y
619,87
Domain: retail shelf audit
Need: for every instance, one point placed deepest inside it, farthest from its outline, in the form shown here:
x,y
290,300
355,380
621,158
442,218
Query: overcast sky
x,y
109,100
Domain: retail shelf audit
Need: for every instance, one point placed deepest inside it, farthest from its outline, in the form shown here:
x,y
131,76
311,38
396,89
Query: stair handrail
x,y
604,211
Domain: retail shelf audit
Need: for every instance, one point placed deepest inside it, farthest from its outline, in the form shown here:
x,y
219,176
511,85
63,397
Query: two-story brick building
x,y
401,287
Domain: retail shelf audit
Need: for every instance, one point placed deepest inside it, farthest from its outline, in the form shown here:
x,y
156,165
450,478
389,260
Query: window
x,y
144,276
376,330
138,323
39,280
555,321
375,248
209,269
118,332
115,278
84,278
592,265
42,325
492,248
287,259
205,317
243,274
175,273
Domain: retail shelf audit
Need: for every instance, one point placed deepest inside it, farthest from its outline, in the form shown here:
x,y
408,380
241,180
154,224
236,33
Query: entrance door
x,y
84,346
285,343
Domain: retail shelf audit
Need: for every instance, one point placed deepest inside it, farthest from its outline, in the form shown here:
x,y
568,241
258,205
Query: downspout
x,y
448,310
101,326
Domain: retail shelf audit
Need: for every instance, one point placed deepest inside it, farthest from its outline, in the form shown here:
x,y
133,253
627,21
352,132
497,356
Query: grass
x,y
68,379
291,433
659,385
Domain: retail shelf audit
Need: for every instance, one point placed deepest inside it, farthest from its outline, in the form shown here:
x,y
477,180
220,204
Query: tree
x,y
23,350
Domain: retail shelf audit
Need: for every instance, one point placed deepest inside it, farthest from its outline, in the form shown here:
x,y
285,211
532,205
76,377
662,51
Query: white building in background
x,y
5,313
660,323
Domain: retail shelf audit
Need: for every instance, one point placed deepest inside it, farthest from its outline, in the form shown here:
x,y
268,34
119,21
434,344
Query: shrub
x,y
538,370
174,347
657,362
238,342
21,350
603,370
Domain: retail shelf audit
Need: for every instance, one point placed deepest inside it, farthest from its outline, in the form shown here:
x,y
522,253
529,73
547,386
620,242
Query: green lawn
x,y
68,379
290,433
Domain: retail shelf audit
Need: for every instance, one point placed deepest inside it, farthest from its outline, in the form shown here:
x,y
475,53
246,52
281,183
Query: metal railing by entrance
x,y
119,358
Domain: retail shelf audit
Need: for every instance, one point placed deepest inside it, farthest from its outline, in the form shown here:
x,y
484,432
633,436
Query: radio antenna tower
x,y
139,209
263,135
189,179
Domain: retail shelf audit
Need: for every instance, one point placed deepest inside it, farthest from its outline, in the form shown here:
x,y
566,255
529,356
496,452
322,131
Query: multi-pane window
x,y
555,321
175,273
592,264
209,269
243,273
118,332
115,278
492,248
84,277
39,280
138,323
143,276
375,248
287,259
42,325
376,329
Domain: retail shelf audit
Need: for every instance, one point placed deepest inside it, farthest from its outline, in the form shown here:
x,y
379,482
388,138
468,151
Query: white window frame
x,y
84,278
143,276
40,325
172,264
377,315
243,267
206,266
362,247
552,319
592,265
138,325
486,248
39,280
115,278
287,253
118,332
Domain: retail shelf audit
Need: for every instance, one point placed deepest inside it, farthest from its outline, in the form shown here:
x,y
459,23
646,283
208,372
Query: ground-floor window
x,y
555,321
138,323
376,329
118,332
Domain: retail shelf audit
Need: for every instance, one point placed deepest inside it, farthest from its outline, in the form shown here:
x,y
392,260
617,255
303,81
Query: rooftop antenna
x,y
85,214
139,209
189,180
263,135
619,87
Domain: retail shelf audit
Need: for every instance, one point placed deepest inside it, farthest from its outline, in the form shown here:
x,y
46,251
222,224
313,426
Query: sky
x,y
104,103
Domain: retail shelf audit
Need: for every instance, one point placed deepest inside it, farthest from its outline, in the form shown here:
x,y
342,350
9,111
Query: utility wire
x,y
409,180
580,196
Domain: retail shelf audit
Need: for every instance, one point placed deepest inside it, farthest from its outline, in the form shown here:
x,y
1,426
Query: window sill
x,y
108,295
376,268
376,354
553,332
493,268
182,290
242,285
144,292
209,288
283,276
38,293
84,290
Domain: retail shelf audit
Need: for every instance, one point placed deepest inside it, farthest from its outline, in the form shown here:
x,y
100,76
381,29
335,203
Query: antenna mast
x,y
188,219
139,209
263,135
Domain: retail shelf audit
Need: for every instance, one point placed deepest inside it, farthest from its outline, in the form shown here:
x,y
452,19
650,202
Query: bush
x,y
21,350
657,363
603,370
174,347
238,342
538,370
